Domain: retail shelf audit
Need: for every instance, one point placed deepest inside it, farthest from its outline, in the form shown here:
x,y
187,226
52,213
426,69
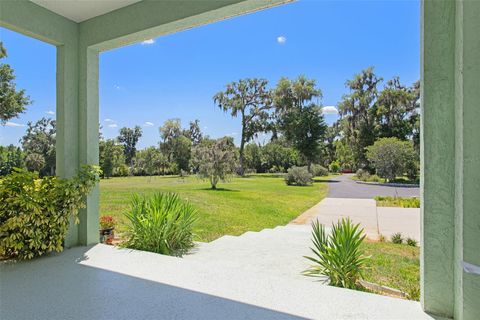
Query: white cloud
x,y
232,134
281,39
50,112
113,125
117,87
205,128
330,110
109,120
149,41
148,124
14,124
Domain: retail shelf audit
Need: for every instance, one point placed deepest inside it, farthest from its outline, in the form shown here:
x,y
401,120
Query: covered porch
x,y
88,282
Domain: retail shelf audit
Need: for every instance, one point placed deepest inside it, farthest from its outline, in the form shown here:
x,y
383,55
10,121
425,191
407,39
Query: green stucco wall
x,y
451,158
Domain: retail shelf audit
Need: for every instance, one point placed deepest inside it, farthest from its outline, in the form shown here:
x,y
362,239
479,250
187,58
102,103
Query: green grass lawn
x,y
397,202
394,265
251,203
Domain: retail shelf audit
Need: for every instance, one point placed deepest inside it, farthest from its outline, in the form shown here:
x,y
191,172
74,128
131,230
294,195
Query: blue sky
x,y
175,76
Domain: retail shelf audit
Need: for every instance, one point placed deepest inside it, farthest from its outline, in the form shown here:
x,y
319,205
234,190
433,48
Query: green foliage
x,y
111,157
35,213
299,176
215,160
362,175
357,119
161,223
397,202
299,117
253,158
12,101
176,144
396,109
391,157
397,238
411,242
40,139
344,155
129,138
122,170
10,157
338,255
278,155
367,114
319,171
334,166
251,100
34,162
151,161
194,133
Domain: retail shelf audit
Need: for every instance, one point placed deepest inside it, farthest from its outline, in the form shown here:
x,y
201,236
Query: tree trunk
x,y
242,145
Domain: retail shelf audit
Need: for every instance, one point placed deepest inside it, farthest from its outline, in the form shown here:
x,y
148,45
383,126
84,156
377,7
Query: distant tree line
x,y
290,114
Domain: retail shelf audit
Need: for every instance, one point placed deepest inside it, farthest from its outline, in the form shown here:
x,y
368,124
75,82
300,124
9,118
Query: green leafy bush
x,y
298,176
334,166
391,157
319,171
362,175
161,223
397,238
35,213
338,255
411,242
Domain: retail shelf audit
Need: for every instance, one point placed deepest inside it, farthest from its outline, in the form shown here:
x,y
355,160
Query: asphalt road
x,y
343,187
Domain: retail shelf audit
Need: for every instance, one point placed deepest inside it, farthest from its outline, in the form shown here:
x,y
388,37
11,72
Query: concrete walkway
x,y
231,280
344,187
375,220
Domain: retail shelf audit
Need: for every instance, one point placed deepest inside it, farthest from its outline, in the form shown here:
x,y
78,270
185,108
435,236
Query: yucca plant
x,y
161,223
338,255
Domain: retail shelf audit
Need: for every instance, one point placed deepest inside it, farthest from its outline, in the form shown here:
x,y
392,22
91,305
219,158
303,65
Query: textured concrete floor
x,y
103,282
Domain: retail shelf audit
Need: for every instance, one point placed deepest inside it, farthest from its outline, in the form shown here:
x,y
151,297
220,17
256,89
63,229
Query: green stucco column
x,y
467,240
450,278
88,129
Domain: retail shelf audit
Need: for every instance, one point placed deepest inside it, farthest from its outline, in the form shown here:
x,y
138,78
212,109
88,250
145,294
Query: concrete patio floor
x,y
103,282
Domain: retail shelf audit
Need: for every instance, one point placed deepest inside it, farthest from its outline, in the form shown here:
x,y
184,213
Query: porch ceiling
x,y
81,10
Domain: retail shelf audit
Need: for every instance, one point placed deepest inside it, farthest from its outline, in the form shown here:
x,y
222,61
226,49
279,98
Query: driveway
x,y
344,187
374,220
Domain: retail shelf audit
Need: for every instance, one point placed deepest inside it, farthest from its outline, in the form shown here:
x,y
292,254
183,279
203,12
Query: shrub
x,y
298,176
362,175
338,255
391,157
397,238
122,170
319,171
411,242
374,178
161,223
334,166
35,213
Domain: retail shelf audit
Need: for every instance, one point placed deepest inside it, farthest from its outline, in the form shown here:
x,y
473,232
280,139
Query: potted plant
x,y
107,227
